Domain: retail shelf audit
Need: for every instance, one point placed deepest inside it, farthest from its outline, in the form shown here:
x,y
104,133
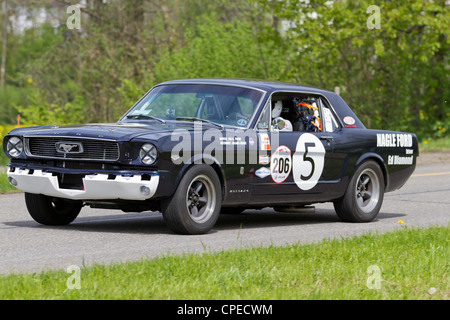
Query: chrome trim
x,y
63,147
26,140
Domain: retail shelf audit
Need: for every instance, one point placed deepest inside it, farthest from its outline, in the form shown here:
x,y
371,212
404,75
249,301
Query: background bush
x,y
394,77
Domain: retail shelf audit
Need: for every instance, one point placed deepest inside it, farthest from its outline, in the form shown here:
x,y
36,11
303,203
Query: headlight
x,y
148,154
14,147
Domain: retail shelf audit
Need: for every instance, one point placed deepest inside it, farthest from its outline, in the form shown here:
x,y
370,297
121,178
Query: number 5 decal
x,y
308,161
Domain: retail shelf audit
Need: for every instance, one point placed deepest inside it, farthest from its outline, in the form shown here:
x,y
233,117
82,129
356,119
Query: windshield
x,y
185,102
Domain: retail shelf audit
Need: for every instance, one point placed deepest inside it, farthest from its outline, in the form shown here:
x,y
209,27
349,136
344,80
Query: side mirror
x,y
278,123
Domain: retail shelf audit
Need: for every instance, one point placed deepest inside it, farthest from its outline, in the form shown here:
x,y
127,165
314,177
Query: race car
x,y
195,148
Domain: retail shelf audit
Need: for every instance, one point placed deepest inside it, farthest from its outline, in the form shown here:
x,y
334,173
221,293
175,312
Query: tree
x,y
125,47
394,76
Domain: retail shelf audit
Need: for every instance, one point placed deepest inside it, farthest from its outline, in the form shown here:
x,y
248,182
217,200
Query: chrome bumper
x,y
96,186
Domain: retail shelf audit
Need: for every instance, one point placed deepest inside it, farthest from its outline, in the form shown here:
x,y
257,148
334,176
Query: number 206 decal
x,y
280,164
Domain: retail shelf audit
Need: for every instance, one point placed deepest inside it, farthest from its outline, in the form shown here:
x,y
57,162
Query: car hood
x,y
108,131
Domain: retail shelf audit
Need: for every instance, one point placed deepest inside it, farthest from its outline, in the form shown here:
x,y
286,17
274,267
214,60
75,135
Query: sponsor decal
x,y
264,159
232,141
394,140
280,164
308,161
264,141
262,172
242,122
399,160
349,120
239,190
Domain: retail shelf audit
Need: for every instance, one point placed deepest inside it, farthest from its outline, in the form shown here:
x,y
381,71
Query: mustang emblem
x,y
69,147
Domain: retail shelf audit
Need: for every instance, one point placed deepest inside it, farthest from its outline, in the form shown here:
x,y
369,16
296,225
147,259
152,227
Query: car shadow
x,y
270,218
153,222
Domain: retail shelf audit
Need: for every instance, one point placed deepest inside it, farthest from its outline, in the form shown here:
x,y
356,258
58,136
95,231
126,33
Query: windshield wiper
x,y
144,116
200,119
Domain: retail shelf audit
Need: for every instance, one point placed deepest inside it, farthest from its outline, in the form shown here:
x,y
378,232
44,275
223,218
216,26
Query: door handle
x,y
327,138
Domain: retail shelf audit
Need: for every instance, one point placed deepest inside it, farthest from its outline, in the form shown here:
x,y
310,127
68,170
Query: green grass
x,y
5,186
435,145
413,264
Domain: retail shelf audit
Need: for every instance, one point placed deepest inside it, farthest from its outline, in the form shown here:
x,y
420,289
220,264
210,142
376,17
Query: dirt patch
x,y
426,158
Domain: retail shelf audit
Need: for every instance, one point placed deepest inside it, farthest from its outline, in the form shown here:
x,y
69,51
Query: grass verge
x,y
5,186
404,264
435,145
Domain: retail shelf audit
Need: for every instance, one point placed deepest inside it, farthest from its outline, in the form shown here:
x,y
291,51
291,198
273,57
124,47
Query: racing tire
x,y
52,211
195,206
364,195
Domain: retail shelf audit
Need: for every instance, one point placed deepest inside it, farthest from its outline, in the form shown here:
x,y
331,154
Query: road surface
x,y
105,236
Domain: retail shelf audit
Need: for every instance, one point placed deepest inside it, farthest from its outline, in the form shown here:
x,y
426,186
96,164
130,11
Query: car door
x,y
298,166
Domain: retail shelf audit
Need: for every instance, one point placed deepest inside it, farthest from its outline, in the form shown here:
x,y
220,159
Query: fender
x,y
379,160
207,159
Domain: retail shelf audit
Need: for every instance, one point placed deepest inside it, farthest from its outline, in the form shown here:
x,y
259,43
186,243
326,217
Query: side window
x,y
299,112
329,122
307,113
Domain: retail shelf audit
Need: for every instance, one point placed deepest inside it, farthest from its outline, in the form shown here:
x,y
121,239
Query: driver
x,y
276,112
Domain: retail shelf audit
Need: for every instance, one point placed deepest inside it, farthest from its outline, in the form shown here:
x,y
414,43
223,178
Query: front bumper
x,y
95,186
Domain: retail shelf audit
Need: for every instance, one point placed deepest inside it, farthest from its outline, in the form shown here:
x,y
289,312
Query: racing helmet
x,y
276,111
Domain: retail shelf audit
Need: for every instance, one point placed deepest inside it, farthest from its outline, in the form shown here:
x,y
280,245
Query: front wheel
x,y
195,206
364,195
52,211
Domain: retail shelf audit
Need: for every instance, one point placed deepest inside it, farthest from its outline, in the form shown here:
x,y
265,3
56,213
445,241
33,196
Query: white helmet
x,y
276,111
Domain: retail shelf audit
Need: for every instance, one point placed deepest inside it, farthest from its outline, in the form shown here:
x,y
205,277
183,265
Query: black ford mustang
x,y
194,148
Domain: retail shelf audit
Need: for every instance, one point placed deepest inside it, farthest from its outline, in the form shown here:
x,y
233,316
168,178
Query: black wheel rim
x,y
201,199
367,190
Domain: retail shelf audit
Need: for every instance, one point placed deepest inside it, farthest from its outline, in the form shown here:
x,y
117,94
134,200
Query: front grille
x,y
46,147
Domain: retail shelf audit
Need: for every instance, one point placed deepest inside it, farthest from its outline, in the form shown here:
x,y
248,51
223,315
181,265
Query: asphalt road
x,y
104,236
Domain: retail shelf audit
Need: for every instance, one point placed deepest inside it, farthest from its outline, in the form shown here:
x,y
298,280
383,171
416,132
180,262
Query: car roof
x,y
339,105
268,86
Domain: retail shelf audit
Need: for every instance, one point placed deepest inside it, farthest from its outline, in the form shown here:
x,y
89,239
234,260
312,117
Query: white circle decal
x,y
349,120
280,164
308,161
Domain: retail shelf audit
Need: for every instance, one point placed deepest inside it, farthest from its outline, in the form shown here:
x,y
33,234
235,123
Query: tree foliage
x,y
393,77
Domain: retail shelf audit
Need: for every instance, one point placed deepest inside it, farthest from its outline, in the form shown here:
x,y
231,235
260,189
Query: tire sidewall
x,y
360,215
42,209
176,214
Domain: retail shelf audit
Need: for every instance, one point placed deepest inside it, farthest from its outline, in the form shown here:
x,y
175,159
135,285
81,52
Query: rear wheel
x,y
364,195
195,206
52,211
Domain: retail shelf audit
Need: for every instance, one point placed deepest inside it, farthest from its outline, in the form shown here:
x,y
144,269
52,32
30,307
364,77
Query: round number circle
x,y
308,161
280,164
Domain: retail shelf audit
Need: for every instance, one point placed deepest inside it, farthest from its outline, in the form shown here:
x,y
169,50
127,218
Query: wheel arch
x,y
203,159
379,160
